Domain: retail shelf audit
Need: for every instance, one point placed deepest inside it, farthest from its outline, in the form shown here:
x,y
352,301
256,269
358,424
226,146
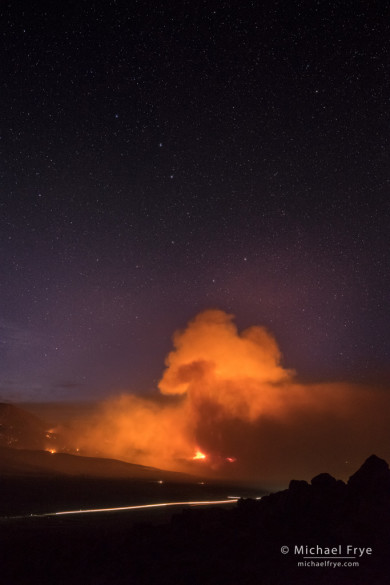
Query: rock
x,y
298,485
372,478
324,480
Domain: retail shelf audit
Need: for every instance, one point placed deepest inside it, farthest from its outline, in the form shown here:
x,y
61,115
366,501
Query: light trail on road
x,y
144,507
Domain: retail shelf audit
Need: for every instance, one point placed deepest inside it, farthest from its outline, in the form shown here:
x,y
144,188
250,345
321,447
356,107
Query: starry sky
x,y
162,158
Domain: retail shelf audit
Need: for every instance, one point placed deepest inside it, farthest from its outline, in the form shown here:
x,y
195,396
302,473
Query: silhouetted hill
x,y
246,543
28,462
290,537
21,429
28,447
372,478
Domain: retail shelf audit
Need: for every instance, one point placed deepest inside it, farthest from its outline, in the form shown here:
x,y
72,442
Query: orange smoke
x,y
226,394
213,364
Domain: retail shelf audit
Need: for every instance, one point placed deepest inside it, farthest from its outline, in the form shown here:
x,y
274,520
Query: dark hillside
x,y
322,522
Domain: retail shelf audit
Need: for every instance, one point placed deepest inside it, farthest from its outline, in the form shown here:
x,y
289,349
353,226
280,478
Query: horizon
x,y
270,484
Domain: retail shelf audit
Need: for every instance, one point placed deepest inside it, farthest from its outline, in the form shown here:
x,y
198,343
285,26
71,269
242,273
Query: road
x,y
144,507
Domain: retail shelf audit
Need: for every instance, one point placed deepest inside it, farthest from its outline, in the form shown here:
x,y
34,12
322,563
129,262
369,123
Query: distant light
x,y
199,455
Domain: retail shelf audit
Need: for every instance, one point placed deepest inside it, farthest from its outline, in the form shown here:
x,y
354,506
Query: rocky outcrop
x,y
372,479
325,512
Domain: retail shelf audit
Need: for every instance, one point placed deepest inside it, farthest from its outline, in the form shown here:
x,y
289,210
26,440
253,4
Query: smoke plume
x,y
226,405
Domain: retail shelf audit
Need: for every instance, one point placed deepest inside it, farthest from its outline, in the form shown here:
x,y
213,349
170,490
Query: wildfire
x,y
228,391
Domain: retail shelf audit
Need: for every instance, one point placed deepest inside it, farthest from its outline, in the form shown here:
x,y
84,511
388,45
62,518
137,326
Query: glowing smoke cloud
x,y
212,364
228,397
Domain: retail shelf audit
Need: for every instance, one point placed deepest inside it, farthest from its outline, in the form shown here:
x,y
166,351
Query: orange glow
x,y
218,385
52,451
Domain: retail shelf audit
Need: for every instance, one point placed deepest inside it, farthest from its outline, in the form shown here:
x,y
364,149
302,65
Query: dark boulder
x,y
372,479
324,481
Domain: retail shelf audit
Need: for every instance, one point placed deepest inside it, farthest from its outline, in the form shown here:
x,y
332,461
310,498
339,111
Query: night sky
x,y
162,158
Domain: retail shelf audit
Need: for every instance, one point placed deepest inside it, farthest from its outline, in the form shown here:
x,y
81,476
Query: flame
x,y
227,391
